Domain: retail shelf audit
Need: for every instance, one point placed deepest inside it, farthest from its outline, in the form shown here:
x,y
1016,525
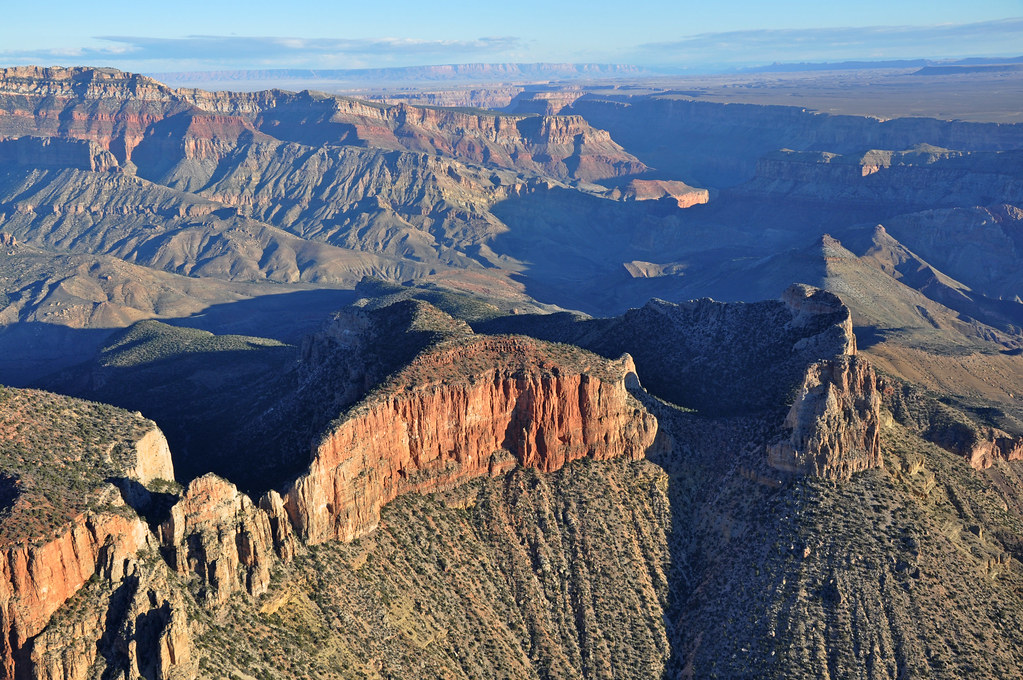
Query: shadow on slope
x,y
286,317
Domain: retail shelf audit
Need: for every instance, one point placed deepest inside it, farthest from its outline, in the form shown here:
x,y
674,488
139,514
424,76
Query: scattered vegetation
x,y
56,455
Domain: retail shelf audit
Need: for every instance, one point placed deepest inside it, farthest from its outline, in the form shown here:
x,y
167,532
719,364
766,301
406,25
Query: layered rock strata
x,y
123,112
36,579
522,405
72,471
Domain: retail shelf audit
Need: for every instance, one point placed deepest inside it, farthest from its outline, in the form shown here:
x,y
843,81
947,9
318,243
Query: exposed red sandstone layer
x,y
995,445
493,403
36,579
835,422
64,521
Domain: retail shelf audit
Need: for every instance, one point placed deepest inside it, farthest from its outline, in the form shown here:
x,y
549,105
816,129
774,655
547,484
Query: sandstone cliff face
x,y
65,522
424,435
217,533
106,106
37,579
835,422
153,458
684,195
994,445
564,147
134,623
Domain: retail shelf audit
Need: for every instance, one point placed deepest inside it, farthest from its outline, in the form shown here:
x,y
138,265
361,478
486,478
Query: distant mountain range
x,y
505,73
510,73
931,66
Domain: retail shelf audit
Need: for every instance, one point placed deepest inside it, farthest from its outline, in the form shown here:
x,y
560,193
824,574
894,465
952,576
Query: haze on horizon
x,y
688,36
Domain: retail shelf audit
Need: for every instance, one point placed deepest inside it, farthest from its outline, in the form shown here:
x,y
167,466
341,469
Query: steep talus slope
x,y
149,224
979,245
528,575
855,581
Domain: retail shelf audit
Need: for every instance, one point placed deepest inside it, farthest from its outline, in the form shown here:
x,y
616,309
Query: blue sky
x,y
196,35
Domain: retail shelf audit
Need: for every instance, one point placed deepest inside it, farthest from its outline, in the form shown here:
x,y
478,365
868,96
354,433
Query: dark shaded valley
x,y
598,383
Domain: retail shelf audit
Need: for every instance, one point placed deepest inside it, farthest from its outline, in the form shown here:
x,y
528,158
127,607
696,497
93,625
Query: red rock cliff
x,y
64,522
462,411
36,579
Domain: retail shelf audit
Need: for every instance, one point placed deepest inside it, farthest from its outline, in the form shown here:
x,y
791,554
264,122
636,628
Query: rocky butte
x,y
70,471
479,407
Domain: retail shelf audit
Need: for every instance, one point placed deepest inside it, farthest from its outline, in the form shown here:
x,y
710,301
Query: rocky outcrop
x,y
153,458
36,579
139,628
993,445
70,483
217,533
472,409
835,422
681,193
808,307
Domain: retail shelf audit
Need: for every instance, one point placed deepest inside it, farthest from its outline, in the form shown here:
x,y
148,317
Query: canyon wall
x,y
528,409
119,111
719,144
49,552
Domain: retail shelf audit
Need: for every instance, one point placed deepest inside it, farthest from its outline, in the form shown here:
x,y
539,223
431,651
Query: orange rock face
x,y
36,579
994,445
684,195
521,406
